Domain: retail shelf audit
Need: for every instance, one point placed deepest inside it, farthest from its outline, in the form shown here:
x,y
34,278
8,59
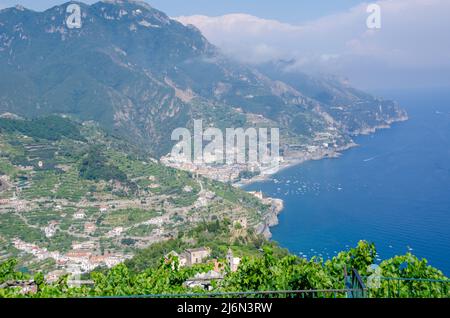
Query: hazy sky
x,y
292,11
412,48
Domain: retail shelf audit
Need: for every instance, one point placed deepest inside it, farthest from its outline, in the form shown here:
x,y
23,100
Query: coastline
x,y
271,219
293,161
277,204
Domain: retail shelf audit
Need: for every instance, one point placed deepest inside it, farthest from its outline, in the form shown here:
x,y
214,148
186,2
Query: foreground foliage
x,y
265,272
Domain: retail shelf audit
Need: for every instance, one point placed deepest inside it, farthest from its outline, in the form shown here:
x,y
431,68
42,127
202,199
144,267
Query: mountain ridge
x,y
141,74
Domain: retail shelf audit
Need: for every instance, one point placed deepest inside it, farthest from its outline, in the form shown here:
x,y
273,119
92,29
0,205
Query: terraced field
x,y
78,200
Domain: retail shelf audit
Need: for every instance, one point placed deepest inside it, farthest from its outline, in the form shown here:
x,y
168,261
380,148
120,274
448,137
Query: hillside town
x,y
81,259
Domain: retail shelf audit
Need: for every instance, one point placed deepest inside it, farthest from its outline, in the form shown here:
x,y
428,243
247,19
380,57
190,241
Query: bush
x,y
95,167
50,128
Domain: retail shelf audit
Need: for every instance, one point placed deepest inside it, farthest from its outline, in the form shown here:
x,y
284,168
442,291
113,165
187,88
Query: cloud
x,y
412,48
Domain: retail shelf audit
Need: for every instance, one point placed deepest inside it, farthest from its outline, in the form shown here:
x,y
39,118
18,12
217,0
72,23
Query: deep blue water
x,y
393,190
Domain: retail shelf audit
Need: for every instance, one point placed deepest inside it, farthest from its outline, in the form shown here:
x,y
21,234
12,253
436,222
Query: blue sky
x,y
292,11
411,50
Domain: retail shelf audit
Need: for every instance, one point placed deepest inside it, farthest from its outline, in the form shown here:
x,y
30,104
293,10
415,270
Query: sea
x,y
392,190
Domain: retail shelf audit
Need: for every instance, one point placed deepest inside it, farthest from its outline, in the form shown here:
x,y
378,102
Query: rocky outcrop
x,y
271,218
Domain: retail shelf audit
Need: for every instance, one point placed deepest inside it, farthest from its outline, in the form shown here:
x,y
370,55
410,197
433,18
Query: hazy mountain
x,y
356,110
138,72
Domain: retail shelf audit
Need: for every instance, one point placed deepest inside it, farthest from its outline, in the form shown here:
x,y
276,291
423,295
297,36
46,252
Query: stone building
x,y
197,255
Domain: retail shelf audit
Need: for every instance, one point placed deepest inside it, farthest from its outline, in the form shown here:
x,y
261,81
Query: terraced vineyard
x,y
92,201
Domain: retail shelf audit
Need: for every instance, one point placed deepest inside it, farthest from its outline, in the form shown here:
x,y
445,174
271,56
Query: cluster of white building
x,y
115,232
222,172
14,203
160,220
40,253
81,258
204,198
86,261
50,230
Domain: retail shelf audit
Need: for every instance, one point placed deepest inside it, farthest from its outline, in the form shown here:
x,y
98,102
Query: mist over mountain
x,y
141,74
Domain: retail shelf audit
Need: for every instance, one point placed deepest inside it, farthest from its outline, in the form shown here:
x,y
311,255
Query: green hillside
x,y
65,183
141,74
